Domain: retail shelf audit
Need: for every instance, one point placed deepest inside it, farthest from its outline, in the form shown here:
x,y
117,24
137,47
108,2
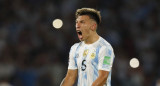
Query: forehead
x,y
82,17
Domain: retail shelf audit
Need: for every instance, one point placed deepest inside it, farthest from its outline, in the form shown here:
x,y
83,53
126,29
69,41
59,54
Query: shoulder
x,y
104,44
106,48
74,46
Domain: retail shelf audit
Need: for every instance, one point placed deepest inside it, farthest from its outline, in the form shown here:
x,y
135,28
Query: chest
x,y
86,57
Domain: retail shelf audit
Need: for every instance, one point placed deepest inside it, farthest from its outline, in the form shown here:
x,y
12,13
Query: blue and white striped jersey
x,y
89,58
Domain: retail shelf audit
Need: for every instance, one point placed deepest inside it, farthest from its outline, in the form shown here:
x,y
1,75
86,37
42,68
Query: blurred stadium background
x,y
34,53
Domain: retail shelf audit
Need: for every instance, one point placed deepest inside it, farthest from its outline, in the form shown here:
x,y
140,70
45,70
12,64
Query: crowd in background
x,y
34,53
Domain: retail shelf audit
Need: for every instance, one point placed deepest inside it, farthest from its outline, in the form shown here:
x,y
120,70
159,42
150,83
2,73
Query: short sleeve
x,y
106,57
72,60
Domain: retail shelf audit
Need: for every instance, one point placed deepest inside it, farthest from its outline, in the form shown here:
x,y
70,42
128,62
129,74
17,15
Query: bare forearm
x,y
68,82
102,78
70,78
100,81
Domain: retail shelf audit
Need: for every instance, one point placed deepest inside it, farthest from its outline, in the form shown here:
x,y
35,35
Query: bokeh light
x,y
57,23
134,63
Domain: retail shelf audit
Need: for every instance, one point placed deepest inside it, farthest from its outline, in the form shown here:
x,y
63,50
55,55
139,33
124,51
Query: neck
x,y
92,38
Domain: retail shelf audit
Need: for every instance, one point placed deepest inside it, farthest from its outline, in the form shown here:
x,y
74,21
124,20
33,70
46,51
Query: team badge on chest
x,y
85,53
93,55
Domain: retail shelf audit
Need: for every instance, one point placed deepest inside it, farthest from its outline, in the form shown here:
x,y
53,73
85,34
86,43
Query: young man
x,y
91,59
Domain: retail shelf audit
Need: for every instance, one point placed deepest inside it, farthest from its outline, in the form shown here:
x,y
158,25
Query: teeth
x,y
79,32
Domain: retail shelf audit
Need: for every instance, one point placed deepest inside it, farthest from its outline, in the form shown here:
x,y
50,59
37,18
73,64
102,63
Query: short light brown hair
x,y
92,13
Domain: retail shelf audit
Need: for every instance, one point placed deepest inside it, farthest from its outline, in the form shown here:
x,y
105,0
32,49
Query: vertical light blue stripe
x,y
76,54
109,52
85,75
84,79
95,63
78,84
75,58
97,52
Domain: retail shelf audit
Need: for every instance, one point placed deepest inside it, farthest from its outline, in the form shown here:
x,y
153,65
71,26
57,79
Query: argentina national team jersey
x,y
89,58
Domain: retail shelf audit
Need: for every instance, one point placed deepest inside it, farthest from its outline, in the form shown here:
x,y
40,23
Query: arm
x,y
106,57
70,78
101,80
72,72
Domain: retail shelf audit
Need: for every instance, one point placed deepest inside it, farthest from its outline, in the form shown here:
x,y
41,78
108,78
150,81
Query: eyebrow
x,y
80,20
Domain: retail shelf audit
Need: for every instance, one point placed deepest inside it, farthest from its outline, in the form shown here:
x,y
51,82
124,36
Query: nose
x,y
77,25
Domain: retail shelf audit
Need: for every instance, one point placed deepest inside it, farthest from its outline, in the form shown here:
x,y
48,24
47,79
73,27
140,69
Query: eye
x,y
82,22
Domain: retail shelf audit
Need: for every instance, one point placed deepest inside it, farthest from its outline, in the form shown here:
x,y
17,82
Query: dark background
x,y
34,53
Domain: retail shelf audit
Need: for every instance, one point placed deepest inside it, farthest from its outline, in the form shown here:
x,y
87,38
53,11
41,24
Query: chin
x,y
81,39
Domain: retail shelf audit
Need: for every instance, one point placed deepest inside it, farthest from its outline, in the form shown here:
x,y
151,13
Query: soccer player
x,y
91,59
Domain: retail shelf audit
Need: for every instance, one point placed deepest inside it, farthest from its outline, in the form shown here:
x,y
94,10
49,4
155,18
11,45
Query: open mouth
x,y
79,32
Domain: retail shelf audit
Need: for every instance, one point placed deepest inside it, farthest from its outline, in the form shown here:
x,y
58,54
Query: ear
x,y
94,26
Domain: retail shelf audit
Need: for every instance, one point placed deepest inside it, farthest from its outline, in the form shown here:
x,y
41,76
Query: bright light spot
x,y
134,63
57,23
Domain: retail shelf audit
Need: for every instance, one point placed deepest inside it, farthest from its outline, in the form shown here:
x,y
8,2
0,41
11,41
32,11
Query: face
x,y
83,27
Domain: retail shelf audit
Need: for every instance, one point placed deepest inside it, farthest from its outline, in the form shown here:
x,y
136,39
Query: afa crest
x,y
93,55
85,53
